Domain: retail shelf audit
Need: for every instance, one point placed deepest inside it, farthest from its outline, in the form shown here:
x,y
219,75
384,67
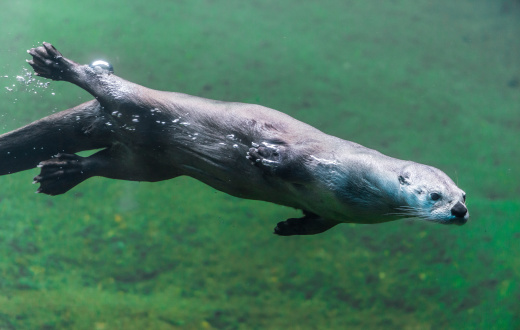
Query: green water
x,y
434,81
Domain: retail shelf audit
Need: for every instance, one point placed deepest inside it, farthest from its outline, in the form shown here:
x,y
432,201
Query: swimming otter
x,y
245,150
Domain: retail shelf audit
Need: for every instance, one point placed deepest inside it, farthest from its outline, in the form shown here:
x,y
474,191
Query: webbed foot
x,y
48,62
310,224
61,173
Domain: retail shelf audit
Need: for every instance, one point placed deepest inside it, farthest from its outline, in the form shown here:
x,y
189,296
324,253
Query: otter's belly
x,y
222,164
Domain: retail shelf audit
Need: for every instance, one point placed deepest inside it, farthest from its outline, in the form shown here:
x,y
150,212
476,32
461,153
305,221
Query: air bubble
x,y
100,66
27,82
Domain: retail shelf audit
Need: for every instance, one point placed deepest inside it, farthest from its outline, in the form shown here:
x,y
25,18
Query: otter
x,y
245,150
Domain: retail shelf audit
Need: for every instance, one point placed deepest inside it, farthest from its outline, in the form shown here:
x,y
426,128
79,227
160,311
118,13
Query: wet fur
x,y
245,150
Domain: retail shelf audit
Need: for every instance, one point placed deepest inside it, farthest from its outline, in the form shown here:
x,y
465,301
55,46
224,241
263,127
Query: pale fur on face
x,y
429,194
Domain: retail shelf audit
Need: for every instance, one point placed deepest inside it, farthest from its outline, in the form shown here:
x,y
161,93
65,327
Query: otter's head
x,y
429,194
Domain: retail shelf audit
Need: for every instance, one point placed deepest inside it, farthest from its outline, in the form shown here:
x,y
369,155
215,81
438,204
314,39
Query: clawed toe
x,y
254,156
59,174
47,62
266,154
46,51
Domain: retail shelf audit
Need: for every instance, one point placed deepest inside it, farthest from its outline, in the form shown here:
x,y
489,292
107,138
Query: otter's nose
x,y
459,210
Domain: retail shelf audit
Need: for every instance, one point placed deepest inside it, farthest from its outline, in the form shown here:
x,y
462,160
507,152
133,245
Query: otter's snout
x,y
459,211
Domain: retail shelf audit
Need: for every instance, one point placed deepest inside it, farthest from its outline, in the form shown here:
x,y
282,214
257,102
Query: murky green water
x,y
437,82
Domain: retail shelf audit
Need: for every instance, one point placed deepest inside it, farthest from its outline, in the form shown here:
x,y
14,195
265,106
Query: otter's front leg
x,y
309,224
278,160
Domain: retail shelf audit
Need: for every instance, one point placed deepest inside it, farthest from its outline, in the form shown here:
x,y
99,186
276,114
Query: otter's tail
x,y
68,131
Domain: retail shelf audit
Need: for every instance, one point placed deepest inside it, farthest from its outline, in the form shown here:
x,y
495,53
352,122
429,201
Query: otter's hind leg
x,y
65,171
48,62
61,173
99,80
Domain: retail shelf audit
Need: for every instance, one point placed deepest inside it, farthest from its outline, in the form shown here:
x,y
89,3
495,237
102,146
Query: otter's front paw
x,y
310,224
61,173
48,62
264,155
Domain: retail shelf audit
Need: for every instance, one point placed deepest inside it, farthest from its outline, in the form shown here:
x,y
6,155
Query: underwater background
x,y
433,81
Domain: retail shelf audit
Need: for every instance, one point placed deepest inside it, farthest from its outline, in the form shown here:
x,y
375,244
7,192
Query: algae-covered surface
x,y
434,81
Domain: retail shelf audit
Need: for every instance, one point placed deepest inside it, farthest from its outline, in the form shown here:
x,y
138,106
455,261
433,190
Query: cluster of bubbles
x,y
27,82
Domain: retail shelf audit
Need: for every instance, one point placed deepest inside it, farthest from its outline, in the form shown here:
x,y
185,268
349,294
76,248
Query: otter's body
x,y
245,150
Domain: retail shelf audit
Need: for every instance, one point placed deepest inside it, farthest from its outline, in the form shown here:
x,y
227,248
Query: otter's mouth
x,y
459,221
453,220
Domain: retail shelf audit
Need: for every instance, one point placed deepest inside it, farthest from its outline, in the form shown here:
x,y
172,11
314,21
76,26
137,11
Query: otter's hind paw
x,y
60,174
48,62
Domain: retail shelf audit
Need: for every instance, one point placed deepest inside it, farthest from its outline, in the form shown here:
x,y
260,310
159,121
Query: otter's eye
x,y
435,196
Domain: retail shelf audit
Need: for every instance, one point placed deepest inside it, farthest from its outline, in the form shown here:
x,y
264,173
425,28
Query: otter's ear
x,y
404,180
